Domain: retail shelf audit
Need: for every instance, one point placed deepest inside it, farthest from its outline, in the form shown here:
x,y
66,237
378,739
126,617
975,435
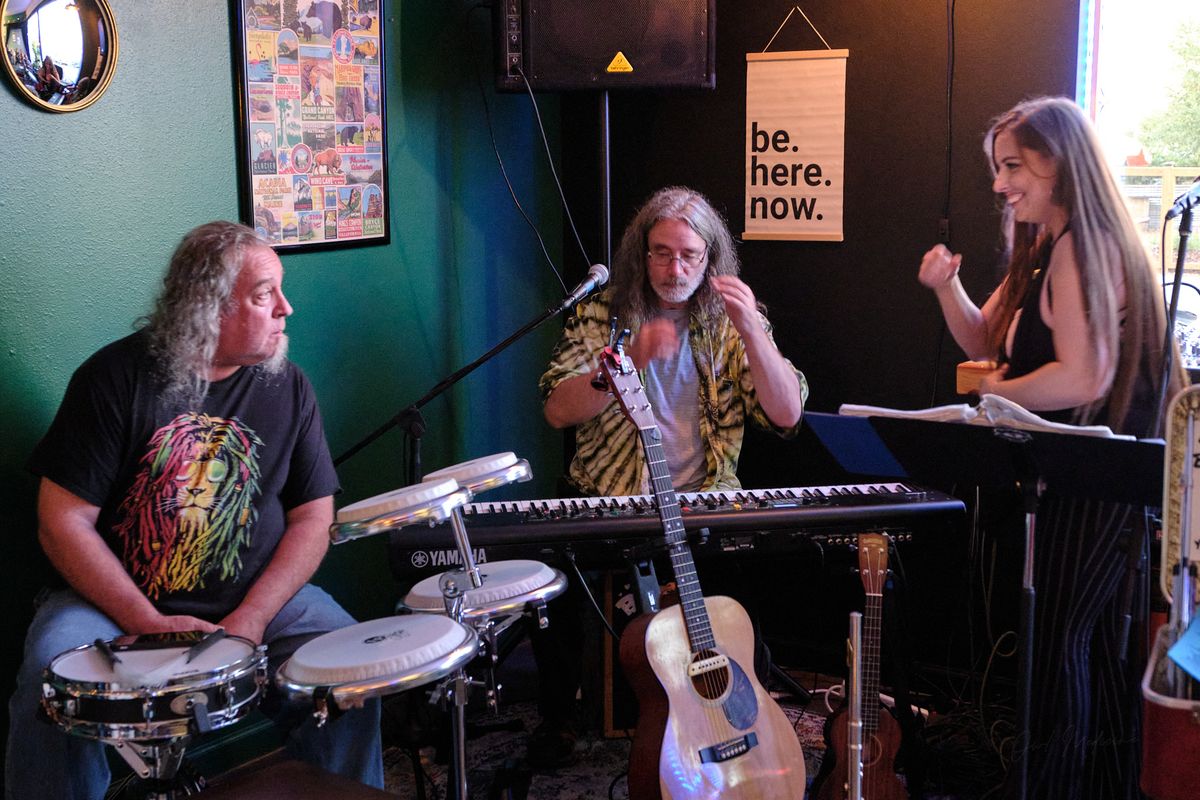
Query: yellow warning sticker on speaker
x,y
619,64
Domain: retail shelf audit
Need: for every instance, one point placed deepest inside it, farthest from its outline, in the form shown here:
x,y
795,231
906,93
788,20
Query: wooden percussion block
x,y
288,780
970,373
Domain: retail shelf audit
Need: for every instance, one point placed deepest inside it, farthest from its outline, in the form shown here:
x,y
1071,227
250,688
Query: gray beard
x,y
274,364
679,292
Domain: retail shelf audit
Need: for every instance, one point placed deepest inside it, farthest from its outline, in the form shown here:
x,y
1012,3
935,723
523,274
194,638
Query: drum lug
x,y
194,705
54,709
260,671
493,692
539,614
321,697
199,712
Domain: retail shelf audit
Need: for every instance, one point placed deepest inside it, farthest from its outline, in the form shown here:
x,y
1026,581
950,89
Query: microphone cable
x,y
950,45
487,113
550,162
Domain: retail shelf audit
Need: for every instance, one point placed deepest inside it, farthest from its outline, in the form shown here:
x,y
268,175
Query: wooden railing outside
x,y
1150,192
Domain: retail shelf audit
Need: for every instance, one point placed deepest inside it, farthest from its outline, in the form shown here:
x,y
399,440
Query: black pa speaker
x,y
605,44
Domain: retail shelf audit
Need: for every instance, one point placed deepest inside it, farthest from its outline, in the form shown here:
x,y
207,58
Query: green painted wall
x,y
92,204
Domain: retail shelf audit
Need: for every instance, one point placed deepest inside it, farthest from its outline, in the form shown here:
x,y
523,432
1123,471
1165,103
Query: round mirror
x,y
61,54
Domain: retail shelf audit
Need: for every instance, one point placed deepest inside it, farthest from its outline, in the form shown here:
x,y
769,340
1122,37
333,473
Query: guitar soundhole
x,y
712,683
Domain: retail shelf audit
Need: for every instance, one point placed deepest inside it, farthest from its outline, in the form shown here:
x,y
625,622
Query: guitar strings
x,y
685,574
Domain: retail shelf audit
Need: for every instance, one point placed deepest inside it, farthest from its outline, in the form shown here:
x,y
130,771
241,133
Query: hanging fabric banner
x,y
795,144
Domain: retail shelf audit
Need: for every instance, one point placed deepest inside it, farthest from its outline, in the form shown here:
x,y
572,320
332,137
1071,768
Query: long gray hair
x,y
634,300
186,322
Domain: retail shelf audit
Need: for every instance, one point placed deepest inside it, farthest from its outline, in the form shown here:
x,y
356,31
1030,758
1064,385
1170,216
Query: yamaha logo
x,y
422,559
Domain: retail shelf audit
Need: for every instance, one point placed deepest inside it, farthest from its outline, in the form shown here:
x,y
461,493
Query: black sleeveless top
x,y
1033,346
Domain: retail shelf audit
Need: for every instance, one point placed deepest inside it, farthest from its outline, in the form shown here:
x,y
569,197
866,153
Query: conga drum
x,y
375,658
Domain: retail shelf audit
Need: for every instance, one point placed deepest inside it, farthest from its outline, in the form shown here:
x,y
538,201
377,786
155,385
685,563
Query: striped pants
x,y
1085,709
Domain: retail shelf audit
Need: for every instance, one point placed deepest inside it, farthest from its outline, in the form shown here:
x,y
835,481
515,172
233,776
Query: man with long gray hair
x,y
704,349
186,486
701,341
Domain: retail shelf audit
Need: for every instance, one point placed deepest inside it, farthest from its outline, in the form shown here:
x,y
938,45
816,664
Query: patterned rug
x,y
496,761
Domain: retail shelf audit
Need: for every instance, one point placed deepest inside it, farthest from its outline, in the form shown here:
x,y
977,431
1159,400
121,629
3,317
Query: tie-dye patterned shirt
x,y
608,455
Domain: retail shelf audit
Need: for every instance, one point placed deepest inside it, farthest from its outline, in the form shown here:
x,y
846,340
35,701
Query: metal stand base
x,y
162,773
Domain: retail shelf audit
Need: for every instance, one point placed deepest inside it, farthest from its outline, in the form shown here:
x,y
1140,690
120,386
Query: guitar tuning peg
x,y
619,344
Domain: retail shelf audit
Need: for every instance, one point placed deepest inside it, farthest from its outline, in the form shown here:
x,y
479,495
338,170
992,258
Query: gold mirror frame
x,y
103,66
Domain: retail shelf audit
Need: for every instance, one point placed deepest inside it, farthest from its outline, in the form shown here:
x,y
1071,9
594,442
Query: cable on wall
x,y
944,222
487,113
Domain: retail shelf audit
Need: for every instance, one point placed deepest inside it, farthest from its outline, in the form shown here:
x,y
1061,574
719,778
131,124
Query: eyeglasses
x,y
214,470
663,258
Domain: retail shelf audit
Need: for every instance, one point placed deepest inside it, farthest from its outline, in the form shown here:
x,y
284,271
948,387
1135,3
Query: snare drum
x,y
428,502
377,657
509,587
153,693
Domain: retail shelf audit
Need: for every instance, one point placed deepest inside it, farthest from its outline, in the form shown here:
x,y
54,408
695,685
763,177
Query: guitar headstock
x,y
872,561
625,384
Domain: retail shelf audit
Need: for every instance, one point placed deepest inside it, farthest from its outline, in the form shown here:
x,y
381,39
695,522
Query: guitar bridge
x,y
704,665
731,748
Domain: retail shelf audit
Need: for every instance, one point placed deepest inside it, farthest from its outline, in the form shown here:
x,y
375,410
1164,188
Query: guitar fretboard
x,y
872,564
691,598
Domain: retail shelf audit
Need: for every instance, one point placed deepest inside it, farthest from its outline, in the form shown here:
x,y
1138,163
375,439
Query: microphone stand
x,y
1185,230
410,417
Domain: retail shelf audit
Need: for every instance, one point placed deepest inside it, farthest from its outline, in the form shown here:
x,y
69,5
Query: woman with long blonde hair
x,y
1076,328
1077,324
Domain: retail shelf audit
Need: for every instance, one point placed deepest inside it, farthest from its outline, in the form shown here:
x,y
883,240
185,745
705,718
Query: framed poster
x,y
312,149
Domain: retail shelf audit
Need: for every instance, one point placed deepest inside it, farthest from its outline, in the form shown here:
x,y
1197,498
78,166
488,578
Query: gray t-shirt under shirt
x,y
673,389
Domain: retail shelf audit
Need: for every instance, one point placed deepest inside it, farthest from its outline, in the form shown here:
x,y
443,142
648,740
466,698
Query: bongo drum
x,y
509,587
489,472
428,502
377,657
153,688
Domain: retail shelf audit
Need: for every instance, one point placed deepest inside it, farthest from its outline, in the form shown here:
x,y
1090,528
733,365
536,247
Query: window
x,y
54,31
1139,78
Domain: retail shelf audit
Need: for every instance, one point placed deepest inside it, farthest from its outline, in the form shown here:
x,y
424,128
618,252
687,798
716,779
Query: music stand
x,y
947,453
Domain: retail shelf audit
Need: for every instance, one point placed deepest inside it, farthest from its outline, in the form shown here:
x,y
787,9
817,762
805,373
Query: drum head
x,y
468,472
149,667
502,581
389,650
417,496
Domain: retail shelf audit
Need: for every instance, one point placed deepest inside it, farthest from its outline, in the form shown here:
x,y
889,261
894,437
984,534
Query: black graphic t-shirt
x,y
192,500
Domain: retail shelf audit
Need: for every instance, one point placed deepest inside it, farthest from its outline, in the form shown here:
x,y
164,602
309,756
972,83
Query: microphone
x,y
597,275
1186,201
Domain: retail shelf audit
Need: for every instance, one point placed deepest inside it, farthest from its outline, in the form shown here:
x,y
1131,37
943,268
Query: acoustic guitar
x,y
706,728
880,732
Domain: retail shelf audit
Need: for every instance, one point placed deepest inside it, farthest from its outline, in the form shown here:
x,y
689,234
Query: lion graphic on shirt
x,y
190,510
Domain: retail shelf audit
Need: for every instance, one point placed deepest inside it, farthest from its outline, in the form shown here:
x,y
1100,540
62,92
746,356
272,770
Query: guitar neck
x,y
691,599
870,663
872,566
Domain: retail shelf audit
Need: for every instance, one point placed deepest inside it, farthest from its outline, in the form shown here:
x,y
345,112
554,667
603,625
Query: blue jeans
x,y
44,762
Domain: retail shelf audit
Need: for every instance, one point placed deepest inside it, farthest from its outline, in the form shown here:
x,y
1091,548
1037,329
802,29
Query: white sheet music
x,y
993,410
